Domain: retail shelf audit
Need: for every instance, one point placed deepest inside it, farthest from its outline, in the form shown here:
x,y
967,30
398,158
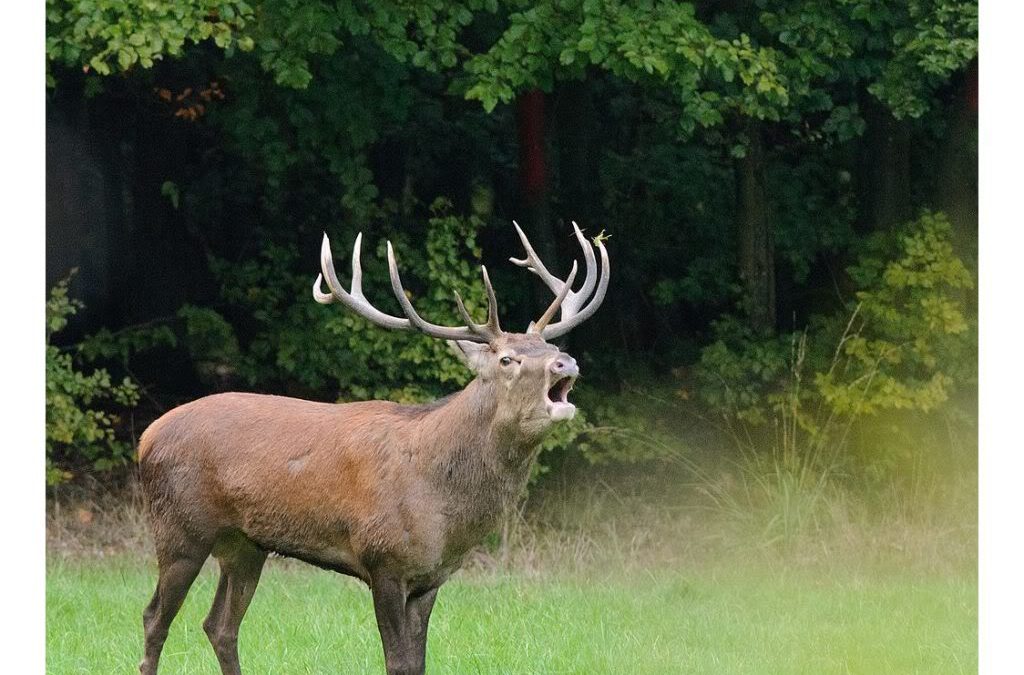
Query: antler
x,y
474,332
357,302
354,299
571,302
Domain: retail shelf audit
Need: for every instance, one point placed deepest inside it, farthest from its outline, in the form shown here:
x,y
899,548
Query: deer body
x,y
339,485
394,495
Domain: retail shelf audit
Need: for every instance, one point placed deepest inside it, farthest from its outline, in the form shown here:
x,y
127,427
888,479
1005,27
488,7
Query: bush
x,y
903,343
80,426
908,341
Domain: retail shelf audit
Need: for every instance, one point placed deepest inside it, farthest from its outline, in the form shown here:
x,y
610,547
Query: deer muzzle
x,y
563,372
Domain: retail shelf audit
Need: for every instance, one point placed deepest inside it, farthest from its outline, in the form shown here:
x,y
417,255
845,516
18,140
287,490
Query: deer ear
x,y
470,353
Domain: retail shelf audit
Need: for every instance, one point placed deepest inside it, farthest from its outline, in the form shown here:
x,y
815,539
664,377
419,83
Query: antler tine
x,y
354,299
357,268
472,332
492,303
533,263
492,327
318,294
549,313
464,313
572,305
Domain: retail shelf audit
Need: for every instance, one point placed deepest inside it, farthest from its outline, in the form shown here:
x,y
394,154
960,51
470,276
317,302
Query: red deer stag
x,y
395,495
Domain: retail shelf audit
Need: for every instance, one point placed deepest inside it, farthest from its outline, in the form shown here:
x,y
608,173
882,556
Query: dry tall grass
x,y
606,521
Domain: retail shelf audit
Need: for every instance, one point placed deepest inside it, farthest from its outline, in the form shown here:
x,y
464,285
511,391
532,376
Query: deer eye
x,y
506,360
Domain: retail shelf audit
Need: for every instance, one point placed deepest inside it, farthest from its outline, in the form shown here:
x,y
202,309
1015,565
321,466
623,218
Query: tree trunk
x,y
885,169
756,241
577,149
533,184
957,185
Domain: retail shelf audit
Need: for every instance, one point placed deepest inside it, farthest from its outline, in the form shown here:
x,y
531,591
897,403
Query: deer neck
x,y
480,454
472,425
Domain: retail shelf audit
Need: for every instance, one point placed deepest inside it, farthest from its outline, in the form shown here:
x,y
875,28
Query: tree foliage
x,y
110,36
758,60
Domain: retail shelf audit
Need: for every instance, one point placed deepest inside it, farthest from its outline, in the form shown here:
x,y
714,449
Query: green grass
x,y
667,621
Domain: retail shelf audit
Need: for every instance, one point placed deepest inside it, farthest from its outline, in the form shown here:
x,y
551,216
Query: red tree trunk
x,y
532,164
533,182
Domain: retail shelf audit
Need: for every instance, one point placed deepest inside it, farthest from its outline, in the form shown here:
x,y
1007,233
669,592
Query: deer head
x,y
528,378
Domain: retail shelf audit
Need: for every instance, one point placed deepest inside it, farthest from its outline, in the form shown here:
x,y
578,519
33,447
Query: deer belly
x,y
329,550
338,558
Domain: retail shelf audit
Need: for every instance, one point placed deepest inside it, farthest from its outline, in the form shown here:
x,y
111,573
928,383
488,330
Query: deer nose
x,y
565,366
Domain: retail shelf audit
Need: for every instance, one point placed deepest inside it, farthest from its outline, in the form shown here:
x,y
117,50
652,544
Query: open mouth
x,y
558,405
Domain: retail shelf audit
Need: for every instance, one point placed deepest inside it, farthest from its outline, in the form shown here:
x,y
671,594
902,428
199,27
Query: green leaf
x,y
170,190
126,57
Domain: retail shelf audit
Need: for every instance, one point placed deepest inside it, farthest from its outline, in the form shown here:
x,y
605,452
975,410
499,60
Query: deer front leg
x,y
389,605
417,615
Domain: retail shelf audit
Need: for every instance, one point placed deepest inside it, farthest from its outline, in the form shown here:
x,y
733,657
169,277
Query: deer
x,y
394,495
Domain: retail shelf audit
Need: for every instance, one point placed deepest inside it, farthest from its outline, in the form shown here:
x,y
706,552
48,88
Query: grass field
x,y
307,621
612,574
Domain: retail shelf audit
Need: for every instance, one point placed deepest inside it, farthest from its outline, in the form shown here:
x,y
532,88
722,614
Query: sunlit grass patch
x,y
669,621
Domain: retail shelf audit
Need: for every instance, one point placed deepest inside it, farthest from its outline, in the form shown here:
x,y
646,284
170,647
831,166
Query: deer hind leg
x,y
177,572
241,563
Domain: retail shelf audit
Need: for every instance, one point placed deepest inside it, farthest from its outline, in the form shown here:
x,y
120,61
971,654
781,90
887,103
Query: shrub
x,y
80,426
908,341
903,343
